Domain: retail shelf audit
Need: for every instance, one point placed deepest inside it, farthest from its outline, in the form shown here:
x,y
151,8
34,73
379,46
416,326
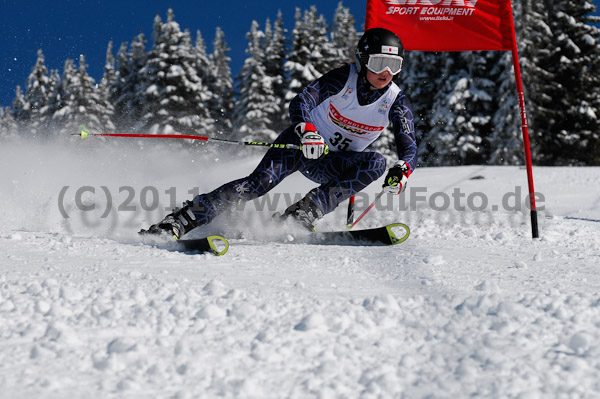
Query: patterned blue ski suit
x,y
340,174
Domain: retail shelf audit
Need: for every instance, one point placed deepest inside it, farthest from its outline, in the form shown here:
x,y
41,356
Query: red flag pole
x,y
350,216
488,25
524,129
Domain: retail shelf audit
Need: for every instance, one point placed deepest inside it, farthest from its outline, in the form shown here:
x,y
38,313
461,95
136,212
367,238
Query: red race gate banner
x,y
445,25
457,25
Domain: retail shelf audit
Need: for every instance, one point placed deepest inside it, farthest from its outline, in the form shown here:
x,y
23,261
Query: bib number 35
x,y
340,142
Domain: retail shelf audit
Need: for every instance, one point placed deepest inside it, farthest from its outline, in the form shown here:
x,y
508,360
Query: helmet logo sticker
x,y
389,50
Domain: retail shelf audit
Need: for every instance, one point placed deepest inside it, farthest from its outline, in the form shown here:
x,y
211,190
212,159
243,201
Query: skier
x,y
333,119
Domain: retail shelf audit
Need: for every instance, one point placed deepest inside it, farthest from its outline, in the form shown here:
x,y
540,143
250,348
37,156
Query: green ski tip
x,y
218,244
83,131
398,232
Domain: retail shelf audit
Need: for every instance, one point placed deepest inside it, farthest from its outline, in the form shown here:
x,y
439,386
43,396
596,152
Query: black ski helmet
x,y
372,42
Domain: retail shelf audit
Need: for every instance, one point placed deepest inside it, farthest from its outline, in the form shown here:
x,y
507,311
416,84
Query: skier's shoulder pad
x,y
336,77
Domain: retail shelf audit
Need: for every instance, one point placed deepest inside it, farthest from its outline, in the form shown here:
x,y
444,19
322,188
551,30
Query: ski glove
x,y
312,143
395,181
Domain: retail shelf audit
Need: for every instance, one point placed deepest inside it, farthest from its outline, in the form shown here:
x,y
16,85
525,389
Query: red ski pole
x,y
84,133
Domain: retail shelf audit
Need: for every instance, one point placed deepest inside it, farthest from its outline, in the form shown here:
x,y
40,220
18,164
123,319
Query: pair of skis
x,y
390,234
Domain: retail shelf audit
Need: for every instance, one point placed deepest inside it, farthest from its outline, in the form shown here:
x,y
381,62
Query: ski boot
x,y
176,224
305,212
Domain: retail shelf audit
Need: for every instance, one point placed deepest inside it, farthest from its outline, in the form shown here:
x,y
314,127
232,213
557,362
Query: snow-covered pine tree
x,y
573,136
82,102
506,139
55,101
312,53
323,54
220,85
435,142
297,66
420,80
463,112
21,111
275,56
94,105
201,60
534,43
109,77
207,75
256,102
274,72
65,101
343,34
8,126
174,96
536,53
117,92
37,95
126,94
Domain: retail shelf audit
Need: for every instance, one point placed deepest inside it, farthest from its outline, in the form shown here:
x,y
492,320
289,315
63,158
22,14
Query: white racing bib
x,y
348,126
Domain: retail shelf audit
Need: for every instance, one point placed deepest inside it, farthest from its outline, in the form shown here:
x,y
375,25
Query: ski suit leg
x,y
341,175
276,165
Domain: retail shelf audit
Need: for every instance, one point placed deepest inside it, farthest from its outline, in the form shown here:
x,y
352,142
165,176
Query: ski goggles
x,y
381,62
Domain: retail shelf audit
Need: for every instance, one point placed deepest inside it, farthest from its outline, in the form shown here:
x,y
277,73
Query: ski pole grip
x,y
298,147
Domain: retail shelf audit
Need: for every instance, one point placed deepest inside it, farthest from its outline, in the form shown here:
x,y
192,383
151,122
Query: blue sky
x,y
67,28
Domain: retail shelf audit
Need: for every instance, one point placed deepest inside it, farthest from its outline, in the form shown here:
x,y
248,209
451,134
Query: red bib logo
x,y
349,125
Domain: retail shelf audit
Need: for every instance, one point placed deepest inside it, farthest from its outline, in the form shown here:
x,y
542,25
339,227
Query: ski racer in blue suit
x,y
334,119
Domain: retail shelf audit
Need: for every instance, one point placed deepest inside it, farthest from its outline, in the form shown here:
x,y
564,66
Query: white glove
x,y
312,143
397,177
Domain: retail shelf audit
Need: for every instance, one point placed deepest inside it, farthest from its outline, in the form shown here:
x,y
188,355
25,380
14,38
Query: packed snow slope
x,y
469,306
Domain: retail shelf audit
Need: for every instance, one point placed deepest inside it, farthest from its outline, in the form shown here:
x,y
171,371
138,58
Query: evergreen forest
x,y
464,103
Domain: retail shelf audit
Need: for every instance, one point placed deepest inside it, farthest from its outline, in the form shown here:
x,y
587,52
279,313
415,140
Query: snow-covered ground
x,y
469,306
